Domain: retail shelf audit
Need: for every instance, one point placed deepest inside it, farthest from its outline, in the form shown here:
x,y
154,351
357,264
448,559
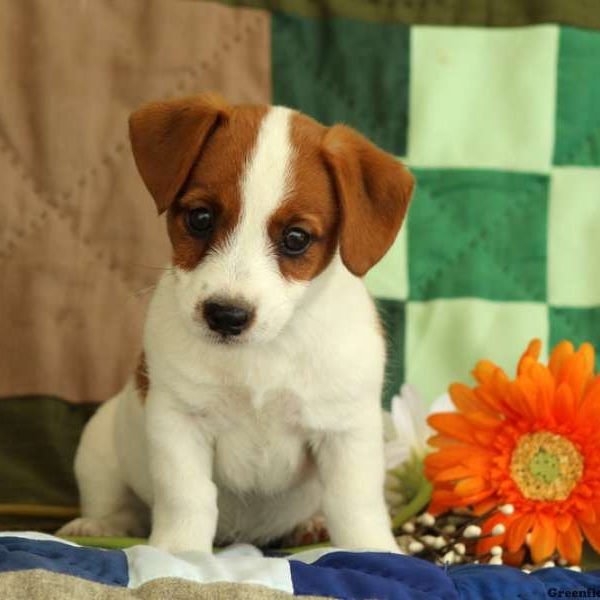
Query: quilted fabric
x,y
329,573
80,242
501,241
499,124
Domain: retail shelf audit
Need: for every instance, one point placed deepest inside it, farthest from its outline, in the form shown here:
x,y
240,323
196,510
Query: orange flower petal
x,y
576,373
465,400
543,539
569,544
480,463
589,357
532,352
441,441
517,530
564,404
474,499
453,473
484,371
491,399
443,498
485,438
560,352
563,522
469,486
483,507
544,384
482,419
587,515
590,405
448,457
452,424
519,401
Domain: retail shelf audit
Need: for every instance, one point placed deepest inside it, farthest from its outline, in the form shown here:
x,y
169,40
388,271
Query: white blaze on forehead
x,y
266,180
246,266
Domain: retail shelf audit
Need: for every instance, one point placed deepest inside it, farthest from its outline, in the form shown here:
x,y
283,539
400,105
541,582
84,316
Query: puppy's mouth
x,y
225,339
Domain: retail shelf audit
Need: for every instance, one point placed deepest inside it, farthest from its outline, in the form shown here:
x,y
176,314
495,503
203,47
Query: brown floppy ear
x,y
373,189
166,138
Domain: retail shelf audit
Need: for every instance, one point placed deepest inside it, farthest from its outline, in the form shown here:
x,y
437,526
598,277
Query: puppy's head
x,y
259,201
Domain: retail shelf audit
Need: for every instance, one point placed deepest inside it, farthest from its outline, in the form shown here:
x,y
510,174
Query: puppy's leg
x,y
108,507
180,453
352,471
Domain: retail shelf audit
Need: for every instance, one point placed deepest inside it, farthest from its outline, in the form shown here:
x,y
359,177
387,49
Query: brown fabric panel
x,y
79,236
44,585
493,13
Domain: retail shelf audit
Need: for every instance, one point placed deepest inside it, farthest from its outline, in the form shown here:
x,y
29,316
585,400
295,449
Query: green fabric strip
x,y
38,439
493,13
341,70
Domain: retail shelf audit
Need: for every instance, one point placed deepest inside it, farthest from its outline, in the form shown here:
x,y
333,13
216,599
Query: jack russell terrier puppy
x,y
256,403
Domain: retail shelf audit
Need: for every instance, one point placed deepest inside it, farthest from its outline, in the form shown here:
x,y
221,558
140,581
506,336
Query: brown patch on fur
x,y
373,189
167,137
311,203
142,381
214,182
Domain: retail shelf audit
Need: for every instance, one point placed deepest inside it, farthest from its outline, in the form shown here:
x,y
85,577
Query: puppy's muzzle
x,y
227,319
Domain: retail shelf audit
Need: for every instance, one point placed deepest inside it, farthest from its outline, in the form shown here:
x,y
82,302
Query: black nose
x,y
226,318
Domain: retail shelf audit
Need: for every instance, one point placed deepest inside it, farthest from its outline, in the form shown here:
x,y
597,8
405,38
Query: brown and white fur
x,y
242,437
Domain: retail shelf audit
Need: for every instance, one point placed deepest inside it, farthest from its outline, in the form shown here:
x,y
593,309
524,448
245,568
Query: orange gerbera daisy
x,y
532,442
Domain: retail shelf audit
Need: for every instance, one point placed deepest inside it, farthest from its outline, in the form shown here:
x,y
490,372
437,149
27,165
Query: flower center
x,y
546,466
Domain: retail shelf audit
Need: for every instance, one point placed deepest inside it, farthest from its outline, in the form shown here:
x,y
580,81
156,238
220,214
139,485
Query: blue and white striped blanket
x,y
324,572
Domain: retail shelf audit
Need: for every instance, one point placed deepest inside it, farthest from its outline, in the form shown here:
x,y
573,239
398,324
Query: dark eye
x,y
199,221
295,241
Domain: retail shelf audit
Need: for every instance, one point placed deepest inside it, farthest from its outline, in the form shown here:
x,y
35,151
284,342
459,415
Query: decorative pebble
x,y
576,568
428,540
495,560
449,529
507,509
496,550
440,542
449,558
460,549
498,529
526,571
408,527
548,564
415,547
562,562
427,519
472,531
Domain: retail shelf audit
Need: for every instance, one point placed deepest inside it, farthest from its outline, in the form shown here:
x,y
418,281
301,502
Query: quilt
x,y
493,105
42,563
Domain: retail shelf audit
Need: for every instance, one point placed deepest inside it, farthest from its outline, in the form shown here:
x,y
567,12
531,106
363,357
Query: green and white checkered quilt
x,y
502,130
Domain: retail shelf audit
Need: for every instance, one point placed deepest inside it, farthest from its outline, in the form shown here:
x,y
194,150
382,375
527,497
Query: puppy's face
x,y
258,201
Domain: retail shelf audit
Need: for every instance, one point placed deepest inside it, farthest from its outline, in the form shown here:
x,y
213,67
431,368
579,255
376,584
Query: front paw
x,y
178,541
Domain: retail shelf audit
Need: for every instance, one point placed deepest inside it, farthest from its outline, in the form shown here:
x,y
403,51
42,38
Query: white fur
x,y
244,441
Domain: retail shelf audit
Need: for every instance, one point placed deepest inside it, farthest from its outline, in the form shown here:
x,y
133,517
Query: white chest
x,y
260,444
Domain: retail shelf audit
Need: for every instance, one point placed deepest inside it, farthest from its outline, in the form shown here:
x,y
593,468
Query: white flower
x,y
406,427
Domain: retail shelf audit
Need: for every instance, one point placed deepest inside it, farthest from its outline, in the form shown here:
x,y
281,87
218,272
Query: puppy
x,y
256,403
